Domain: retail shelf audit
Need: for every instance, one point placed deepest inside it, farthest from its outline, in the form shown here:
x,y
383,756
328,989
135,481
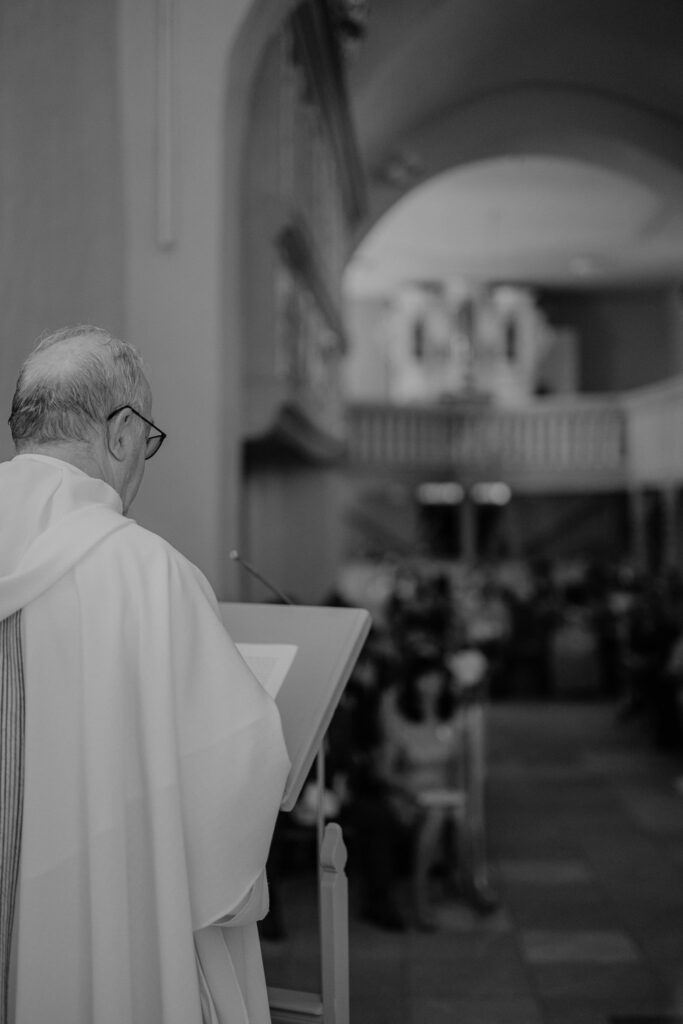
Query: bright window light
x,y
440,493
495,493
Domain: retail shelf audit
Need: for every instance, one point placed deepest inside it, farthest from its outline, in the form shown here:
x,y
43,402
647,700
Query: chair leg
x,y
427,837
476,881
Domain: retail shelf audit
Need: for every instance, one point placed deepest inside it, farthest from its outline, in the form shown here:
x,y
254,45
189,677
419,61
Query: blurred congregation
x,y
548,631
445,635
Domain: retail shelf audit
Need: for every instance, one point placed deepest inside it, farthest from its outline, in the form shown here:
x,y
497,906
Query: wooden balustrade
x,y
654,419
600,442
572,442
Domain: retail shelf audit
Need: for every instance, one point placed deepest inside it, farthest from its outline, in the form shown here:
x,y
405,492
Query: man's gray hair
x,y
73,380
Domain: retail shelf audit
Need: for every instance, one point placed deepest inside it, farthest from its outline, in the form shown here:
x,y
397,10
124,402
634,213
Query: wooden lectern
x,y
328,642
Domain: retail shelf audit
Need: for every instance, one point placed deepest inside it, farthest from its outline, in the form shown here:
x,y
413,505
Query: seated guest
x,y
404,603
650,635
574,647
353,748
142,764
488,629
422,741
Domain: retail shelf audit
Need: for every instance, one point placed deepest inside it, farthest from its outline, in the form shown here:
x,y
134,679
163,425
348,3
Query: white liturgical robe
x,y
154,767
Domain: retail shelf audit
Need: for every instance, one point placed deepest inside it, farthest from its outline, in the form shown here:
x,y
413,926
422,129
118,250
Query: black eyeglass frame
x,y
159,437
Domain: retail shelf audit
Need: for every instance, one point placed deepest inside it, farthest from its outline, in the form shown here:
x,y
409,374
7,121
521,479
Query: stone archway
x,y
592,126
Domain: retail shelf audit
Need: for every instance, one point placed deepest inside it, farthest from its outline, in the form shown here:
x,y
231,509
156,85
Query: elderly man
x,y
141,764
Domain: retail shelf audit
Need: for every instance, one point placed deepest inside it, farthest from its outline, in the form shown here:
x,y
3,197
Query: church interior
x,y
407,278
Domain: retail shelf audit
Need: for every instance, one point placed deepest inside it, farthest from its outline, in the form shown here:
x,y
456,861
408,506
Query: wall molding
x,y
165,116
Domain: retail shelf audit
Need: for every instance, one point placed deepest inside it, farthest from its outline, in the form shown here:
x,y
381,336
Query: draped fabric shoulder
x,y
54,552
12,788
51,515
154,770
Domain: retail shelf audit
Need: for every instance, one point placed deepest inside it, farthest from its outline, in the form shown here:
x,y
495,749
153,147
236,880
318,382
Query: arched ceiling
x,y
533,140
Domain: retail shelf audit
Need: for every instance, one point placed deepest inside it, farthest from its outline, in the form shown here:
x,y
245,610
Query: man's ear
x,y
119,434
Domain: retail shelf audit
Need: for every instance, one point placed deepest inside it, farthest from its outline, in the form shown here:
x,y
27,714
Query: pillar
x,y
670,525
468,530
638,529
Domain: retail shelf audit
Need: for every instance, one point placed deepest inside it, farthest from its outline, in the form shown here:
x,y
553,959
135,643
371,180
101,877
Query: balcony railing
x,y
599,442
654,419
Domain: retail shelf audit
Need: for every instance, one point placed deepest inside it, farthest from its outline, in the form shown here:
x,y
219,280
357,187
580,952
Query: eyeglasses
x,y
153,441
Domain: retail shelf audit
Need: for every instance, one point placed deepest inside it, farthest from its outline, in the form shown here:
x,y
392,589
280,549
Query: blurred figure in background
x,y
422,742
353,768
488,629
534,615
574,646
649,637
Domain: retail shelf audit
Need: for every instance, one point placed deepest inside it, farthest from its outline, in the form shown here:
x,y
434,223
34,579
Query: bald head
x,y
70,383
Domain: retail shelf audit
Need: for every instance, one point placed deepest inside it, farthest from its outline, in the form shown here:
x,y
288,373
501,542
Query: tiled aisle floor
x,y
586,849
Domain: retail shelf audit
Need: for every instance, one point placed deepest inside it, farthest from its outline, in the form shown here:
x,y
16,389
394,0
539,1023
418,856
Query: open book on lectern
x,y
303,655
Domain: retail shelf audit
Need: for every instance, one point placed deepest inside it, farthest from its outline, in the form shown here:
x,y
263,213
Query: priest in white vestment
x,y
143,765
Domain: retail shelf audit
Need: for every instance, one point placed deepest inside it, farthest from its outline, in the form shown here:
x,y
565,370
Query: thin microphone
x,y
320,759
235,556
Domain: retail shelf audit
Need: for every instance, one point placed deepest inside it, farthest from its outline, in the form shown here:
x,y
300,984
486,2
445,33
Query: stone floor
x,y
586,851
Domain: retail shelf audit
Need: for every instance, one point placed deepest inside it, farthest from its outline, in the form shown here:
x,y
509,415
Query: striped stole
x,y
11,787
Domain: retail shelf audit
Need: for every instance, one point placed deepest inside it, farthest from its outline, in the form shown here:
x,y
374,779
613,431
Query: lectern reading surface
x,y
328,642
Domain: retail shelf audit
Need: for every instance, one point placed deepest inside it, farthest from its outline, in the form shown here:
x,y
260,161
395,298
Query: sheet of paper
x,y
270,663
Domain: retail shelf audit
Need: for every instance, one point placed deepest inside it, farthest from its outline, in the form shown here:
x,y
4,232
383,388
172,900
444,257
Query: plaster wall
x,y
626,338
79,187
83,97
294,526
61,244
183,302
174,295
367,375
